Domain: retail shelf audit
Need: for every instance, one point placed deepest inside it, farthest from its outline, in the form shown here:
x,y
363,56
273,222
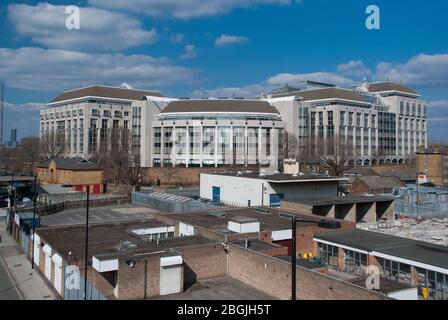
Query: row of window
x,y
412,109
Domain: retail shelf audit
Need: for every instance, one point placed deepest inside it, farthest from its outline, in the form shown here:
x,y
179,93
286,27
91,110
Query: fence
x,y
426,203
58,207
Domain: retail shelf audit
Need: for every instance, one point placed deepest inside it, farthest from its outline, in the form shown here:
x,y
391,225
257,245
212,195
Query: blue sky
x,y
201,48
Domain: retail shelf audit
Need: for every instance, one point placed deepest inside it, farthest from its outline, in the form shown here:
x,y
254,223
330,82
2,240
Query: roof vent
x,y
217,214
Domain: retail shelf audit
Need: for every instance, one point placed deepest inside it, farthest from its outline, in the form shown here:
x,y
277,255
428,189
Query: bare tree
x,y
51,146
334,153
288,148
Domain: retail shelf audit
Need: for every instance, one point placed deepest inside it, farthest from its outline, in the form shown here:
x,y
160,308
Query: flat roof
x,y
270,220
256,245
343,200
113,240
418,251
307,264
282,178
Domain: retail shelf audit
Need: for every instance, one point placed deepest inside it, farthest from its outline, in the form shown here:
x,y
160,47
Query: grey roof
x,y
363,171
390,86
105,92
327,93
220,105
54,189
307,264
70,164
418,251
381,182
342,200
280,177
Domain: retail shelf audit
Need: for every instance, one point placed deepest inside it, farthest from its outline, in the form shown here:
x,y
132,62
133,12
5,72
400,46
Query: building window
x,y
329,254
95,113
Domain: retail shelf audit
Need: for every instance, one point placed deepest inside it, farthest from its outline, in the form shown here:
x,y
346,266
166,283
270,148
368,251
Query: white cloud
x,y
227,40
50,69
438,104
293,79
354,68
250,91
189,53
177,38
35,106
185,9
100,30
422,71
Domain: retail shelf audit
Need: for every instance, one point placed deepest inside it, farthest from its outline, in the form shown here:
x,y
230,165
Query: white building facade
x,y
79,120
217,132
375,123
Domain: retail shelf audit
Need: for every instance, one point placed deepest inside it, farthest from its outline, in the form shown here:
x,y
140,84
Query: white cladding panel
x,y
186,229
105,265
279,235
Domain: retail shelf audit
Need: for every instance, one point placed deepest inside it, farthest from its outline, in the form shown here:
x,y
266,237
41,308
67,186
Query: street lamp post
x,y
294,259
87,242
34,219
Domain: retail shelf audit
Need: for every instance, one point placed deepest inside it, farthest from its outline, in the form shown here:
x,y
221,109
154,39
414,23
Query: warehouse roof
x,y
70,164
220,105
380,182
390,86
104,92
404,248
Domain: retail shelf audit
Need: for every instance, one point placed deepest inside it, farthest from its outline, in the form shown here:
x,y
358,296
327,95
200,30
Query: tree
x,y
288,148
51,146
334,153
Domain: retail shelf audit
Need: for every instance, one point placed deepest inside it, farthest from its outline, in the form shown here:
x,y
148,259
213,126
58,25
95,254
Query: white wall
x,y
238,190
407,294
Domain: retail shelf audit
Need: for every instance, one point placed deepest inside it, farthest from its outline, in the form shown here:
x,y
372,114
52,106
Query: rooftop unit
x,y
241,224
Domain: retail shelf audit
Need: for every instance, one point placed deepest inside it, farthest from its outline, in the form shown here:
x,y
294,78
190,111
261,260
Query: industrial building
x,y
412,262
165,256
433,163
353,208
246,189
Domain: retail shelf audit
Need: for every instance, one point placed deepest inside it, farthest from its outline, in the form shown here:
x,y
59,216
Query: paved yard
x,y
219,289
114,213
7,289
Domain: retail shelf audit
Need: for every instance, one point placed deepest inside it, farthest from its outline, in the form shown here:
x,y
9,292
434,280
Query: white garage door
x,y
57,273
36,249
47,251
170,279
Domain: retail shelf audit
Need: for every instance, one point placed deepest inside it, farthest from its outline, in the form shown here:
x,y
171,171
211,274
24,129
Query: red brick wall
x,y
203,262
131,281
273,276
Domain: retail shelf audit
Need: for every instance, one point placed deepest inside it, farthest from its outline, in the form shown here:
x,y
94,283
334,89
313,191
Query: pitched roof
x,y
105,92
363,171
326,93
389,86
220,105
70,164
379,182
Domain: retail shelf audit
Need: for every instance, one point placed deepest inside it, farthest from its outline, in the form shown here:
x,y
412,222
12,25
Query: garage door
x,y
47,251
170,279
57,273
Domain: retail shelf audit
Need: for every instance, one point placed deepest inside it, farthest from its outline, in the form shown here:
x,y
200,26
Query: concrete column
x,y
260,143
162,145
332,212
362,139
370,141
187,149
246,148
173,154
351,215
231,146
370,217
201,154
216,146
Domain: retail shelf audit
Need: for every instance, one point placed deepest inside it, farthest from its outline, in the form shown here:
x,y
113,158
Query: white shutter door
x,y
58,278
48,266
170,279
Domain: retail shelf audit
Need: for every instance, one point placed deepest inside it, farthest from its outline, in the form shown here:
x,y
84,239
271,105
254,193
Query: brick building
x,y
433,162
76,172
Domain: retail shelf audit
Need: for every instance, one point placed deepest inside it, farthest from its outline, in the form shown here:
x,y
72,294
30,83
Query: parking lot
x,y
115,213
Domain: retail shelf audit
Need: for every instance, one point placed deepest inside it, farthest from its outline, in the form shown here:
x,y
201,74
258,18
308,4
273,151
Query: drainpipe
x,y
294,259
